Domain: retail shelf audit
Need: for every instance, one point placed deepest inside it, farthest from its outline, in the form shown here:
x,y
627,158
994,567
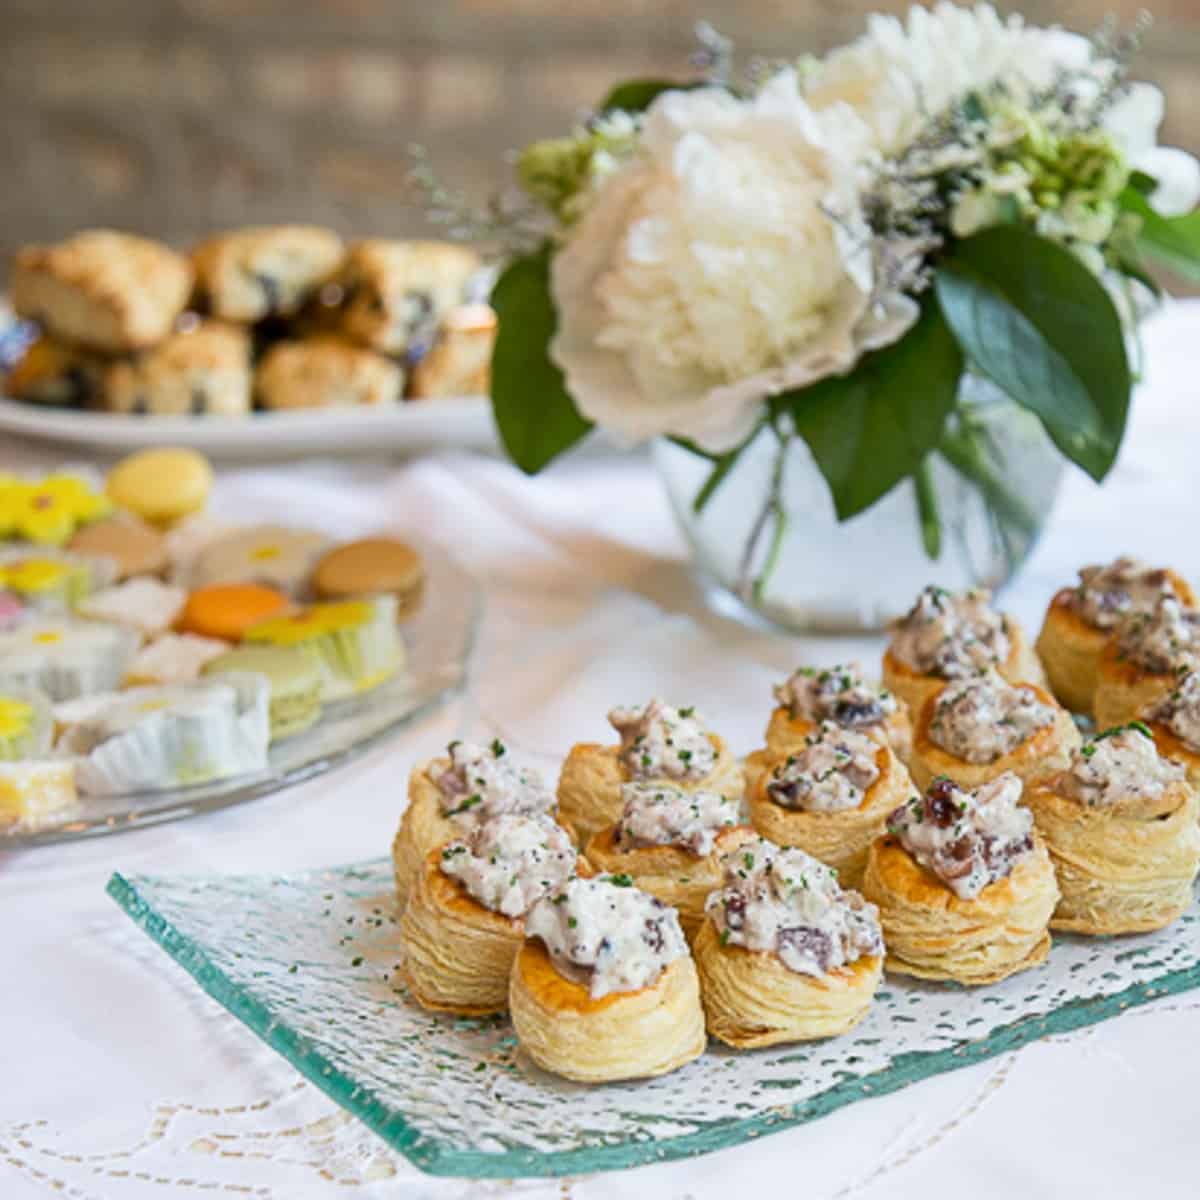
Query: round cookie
x,y
273,555
372,567
161,486
227,610
134,546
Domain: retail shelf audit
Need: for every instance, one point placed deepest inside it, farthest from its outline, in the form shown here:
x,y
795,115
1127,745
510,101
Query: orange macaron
x,y
227,610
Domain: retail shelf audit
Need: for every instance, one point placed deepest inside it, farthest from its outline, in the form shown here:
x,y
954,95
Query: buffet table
x,y
122,1080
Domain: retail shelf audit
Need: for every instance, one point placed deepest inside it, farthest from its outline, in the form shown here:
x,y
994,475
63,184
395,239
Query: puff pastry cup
x,y
632,1027
589,785
672,873
932,932
1043,752
973,636
1121,828
1081,619
839,838
1144,660
425,825
1174,723
819,973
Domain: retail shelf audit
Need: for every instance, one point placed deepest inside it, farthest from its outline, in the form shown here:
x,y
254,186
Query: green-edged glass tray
x,y
438,640
307,961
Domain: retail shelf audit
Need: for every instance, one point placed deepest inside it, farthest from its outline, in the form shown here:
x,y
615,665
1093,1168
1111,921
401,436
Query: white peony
x,y
1133,121
728,260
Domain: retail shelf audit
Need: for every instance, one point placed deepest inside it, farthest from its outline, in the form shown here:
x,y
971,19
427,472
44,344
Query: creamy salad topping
x,y
832,773
1179,710
982,718
658,814
661,742
951,635
1167,639
604,933
1106,595
483,782
1118,764
510,861
787,903
838,694
967,839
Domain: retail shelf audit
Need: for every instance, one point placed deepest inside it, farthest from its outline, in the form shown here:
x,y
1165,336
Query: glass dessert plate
x,y
438,641
307,962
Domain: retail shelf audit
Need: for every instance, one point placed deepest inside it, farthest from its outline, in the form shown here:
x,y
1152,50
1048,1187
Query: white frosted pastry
x,y
147,605
26,724
65,659
173,658
34,791
158,737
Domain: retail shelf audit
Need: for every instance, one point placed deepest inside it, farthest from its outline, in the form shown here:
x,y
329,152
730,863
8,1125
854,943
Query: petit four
x,y
272,555
295,683
161,486
173,658
65,659
48,511
132,545
227,610
34,791
26,724
145,604
369,568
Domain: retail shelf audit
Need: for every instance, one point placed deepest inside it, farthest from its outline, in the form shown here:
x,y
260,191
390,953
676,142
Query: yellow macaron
x,y
161,486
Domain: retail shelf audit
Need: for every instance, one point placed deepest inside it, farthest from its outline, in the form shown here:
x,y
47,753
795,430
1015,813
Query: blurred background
x,y
174,117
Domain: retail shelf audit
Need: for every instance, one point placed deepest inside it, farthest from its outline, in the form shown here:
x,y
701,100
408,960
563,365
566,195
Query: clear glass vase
x,y
769,546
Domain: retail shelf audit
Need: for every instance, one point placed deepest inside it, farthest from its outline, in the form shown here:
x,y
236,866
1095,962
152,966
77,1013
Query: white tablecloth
x,y
119,1079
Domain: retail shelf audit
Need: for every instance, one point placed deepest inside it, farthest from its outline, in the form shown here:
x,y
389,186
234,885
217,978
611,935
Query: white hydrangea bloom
x,y
726,261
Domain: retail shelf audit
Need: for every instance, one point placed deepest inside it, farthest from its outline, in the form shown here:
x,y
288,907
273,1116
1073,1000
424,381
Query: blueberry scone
x,y
112,292
251,274
326,372
203,370
460,361
53,372
396,293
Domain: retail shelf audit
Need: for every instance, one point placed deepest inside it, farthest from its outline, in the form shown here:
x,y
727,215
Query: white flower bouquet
x,y
822,247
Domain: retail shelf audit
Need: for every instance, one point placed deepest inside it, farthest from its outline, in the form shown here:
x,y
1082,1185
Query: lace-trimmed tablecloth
x,y
120,1080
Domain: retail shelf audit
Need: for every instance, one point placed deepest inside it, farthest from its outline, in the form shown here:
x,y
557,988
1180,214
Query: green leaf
x,y
1142,183
1040,325
1172,242
928,513
636,95
535,414
872,428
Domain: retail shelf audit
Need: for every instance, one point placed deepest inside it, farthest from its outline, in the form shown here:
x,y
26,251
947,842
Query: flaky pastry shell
x,y
1171,746
1124,689
589,786
1044,752
673,874
839,839
1021,666
1122,868
624,1035
931,933
751,999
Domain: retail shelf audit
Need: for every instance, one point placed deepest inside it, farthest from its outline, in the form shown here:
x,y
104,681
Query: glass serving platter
x,y
307,962
438,642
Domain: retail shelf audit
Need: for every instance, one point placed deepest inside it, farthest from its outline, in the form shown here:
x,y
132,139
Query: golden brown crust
x,y
839,839
589,785
56,373
1044,752
751,999
458,955
1124,689
1171,746
931,933
675,875
1121,868
326,372
786,734
624,1035
460,361
422,830
1021,666
109,291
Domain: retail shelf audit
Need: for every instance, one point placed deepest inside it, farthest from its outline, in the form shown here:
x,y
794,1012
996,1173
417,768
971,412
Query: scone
x,y
964,885
659,744
975,729
1081,619
268,271
463,925
326,372
56,373
785,955
605,989
1120,825
111,292
396,293
830,797
1144,659
948,635
671,843
459,363
202,371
